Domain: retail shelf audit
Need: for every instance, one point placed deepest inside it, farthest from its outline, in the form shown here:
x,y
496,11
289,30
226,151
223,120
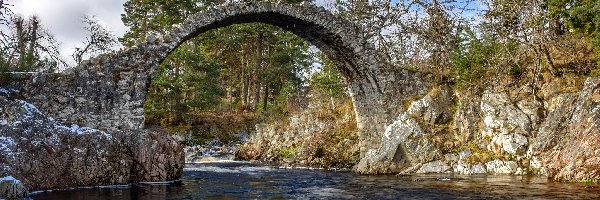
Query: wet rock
x,y
501,167
434,167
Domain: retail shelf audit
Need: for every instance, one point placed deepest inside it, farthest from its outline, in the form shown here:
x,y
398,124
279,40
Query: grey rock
x,y
41,151
478,169
434,167
505,124
568,143
501,167
464,154
403,145
434,108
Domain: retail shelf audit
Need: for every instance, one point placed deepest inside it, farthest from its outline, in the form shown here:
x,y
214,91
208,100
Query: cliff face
x,y
553,133
44,154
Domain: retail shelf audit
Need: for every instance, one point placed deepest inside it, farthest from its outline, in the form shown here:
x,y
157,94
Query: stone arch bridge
x,y
108,92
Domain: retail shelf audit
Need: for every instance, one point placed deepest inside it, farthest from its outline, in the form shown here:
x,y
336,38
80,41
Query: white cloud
x,y
63,18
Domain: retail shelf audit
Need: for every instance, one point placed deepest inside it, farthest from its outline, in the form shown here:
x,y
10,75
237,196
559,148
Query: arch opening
x,y
281,84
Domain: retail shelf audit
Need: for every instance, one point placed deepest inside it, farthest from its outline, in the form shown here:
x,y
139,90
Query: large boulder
x,y
44,154
404,146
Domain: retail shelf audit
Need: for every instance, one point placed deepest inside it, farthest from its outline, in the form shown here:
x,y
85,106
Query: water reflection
x,y
247,180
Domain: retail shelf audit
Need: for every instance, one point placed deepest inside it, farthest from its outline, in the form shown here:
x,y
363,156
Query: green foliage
x,y
288,152
328,81
581,16
5,67
475,59
251,67
186,81
595,73
470,60
143,16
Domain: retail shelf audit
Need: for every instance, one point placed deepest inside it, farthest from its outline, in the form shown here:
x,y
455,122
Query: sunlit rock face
x,y
45,154
497,132
568,142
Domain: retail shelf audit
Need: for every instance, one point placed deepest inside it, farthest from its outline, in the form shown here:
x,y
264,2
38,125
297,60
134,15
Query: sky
x,y
63,18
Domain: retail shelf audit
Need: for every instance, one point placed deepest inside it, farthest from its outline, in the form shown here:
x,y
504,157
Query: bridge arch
x,y
109,91
342,41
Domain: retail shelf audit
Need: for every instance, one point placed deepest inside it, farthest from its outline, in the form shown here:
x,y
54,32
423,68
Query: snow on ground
x,y
10,178
4,91
5,145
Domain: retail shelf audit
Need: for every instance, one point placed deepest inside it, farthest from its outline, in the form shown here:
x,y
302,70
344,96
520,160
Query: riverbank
x,y
553,133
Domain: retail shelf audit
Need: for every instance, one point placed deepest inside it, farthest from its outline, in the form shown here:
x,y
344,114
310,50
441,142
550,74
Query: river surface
x,y
243,180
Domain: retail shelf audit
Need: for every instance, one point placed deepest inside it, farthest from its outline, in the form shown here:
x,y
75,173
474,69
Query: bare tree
x,y
27,46
99,40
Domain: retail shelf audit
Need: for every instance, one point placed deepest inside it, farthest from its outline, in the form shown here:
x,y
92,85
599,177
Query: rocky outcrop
x,y
44,154
403,145
568,143
497,132
316,137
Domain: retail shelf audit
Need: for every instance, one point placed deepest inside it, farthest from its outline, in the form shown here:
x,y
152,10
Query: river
x,y
245,180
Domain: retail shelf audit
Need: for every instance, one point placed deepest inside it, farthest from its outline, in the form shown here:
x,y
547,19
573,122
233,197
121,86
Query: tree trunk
x,y
258,59
244,92
265,99
21,40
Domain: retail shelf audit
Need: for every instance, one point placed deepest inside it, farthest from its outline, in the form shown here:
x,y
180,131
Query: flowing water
x,y
244,180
